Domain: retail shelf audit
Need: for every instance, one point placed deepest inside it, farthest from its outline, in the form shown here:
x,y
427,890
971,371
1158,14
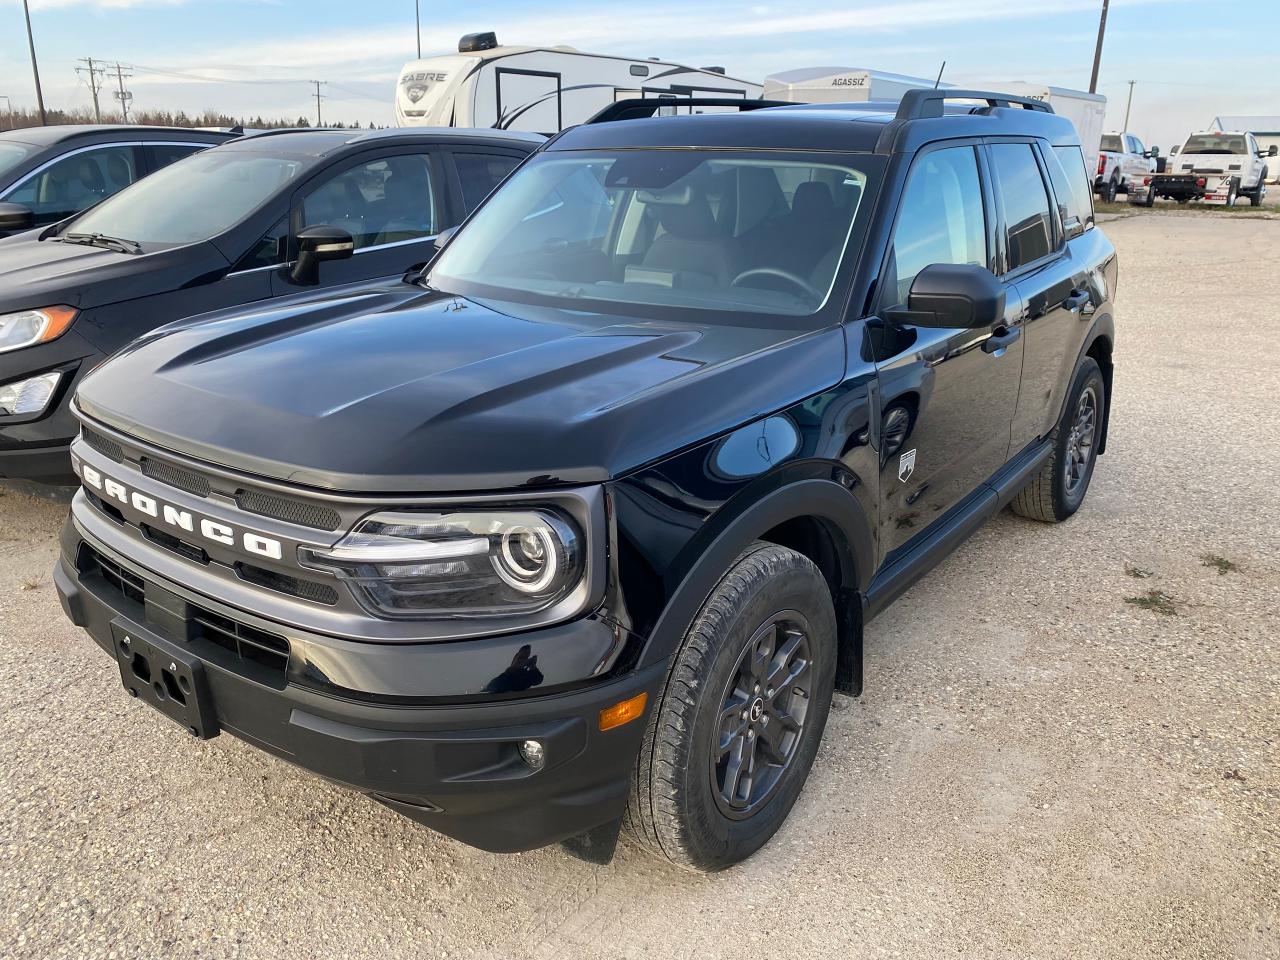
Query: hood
x,y
362,392
36,273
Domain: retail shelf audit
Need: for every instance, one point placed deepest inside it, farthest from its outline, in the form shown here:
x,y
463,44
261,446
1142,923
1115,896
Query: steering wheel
x,y
793,278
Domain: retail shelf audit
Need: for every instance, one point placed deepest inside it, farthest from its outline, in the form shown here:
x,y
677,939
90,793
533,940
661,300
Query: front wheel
x,y
1259,192
731,743
1058,490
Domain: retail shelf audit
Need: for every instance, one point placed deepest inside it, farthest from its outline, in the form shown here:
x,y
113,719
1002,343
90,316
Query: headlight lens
x,y
465,563
27,327
28,396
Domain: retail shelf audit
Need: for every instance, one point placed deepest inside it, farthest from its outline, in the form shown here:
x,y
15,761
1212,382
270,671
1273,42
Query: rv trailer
x,y
840,85
543,89
1086,110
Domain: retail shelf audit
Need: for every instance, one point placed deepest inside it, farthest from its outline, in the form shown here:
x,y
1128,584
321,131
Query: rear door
x,y
947,395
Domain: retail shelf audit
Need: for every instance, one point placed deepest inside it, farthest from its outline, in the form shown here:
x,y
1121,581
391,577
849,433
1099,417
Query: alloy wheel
x,y
1080,444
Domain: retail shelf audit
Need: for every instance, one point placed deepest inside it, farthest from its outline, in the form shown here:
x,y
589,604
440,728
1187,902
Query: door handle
x,y
1001,337
1080,301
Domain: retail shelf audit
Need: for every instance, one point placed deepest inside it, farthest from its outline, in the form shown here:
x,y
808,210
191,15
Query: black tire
x,y
680,808
1109,190
1058,490
1259,193
1233,193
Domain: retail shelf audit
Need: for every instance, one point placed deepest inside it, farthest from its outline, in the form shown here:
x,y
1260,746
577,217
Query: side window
x,y
479,173
1071,184
941,219
163,154
1026,204
1137,145
382,201
269,250
75,182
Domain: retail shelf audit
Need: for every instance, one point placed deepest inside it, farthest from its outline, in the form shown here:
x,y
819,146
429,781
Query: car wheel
x,y
1110,190
1057,491
731,743
1233,193
1259,192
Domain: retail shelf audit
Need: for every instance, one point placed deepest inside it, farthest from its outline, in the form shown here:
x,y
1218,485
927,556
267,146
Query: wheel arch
x,y
818,518
1099,348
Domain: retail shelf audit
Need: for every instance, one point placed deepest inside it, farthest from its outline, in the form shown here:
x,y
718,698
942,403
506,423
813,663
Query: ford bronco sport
x,y
581,524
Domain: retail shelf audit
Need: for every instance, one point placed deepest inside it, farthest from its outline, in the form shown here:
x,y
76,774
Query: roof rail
x,y
921,104
639,108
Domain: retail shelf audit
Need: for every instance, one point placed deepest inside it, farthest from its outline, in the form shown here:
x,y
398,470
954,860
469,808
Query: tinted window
x,y
163,154
941,219
1026,204
1071,184
268,251
479,173
382,201
75,182
1215,143
1111,143
191,200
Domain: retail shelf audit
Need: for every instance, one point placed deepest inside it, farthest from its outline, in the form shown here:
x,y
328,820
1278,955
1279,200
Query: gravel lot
x,y
1039,768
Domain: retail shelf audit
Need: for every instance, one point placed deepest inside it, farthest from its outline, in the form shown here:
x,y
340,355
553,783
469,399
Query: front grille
x,y
283,583
247,643
175,476
128,584
167,540
289,510
108,448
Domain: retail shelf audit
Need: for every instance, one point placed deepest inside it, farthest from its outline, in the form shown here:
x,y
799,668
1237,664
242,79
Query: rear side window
x,y
76,181
163,154
479,173
1071,184
941,219
1026,203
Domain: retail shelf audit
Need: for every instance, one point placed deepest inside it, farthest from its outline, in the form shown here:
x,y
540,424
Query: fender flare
x,y
744,519
1104,325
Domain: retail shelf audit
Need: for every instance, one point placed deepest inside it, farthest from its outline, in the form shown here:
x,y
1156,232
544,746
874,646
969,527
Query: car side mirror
x,y
1273,150
443,238
1153,152
948,295
315,246
1173,151
15,217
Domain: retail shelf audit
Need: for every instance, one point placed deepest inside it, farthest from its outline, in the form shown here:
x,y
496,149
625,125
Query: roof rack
x,y
639,108
921,104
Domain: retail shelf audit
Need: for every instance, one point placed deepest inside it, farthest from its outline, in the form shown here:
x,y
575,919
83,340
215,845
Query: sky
x,y
1192,61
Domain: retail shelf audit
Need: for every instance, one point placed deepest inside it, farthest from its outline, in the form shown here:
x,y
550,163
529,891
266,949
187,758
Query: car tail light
x,y
1102,165
1200,181
1146,181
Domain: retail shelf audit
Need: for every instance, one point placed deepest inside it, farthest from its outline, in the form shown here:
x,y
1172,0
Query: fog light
x,y
532,753
27,396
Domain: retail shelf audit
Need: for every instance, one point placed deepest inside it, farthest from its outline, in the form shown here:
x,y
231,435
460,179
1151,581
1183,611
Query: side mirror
x,y
1173,151
949,295
315,246
443,238
1153,152
15,217
1273,150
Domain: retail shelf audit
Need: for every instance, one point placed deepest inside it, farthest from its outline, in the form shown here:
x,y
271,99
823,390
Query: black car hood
x,y
38,273
393,388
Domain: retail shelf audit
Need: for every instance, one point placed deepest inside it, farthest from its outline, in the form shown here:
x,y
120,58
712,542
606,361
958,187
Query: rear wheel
x,y
1109,191
1058,490
731,744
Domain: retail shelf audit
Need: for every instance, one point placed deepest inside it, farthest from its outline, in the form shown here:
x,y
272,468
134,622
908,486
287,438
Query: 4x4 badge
x,y
906,464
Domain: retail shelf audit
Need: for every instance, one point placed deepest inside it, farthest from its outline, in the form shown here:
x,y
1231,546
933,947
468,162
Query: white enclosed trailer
x,y
1087,111
542,89
840,85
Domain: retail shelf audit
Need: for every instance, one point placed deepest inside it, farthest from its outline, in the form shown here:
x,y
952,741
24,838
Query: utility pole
x,y
94,75
35,71
417,19
123,95
319,84
1097,53
1127,106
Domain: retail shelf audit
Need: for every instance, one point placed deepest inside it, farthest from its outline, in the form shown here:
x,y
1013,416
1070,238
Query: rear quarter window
x,y
1071,184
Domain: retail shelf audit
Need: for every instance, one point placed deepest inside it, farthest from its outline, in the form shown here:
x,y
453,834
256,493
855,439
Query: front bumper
x,y
452,766
42,464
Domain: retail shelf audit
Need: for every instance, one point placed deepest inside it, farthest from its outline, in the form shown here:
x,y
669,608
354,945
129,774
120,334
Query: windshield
x,y
191,200
1111,143
12,154
1215,143
749,232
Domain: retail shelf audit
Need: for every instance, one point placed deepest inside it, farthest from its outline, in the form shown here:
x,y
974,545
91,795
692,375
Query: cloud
x,y
39,5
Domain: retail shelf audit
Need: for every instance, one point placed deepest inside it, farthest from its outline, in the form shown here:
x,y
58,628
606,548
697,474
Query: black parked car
x,y
586,523
242,223
49,173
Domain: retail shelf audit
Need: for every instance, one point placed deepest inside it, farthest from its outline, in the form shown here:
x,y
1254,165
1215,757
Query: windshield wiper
x,y
102,240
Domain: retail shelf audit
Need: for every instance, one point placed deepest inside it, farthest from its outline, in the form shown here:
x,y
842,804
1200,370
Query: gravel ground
x,y
1039,769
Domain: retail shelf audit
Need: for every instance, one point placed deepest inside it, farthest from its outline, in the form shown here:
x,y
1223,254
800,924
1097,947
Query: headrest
x,y
813,199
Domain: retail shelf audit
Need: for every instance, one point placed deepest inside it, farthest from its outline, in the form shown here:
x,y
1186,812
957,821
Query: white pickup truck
x,y
1125,166
1216,167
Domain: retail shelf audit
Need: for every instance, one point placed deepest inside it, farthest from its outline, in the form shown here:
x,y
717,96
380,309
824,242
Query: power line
x,y
93,75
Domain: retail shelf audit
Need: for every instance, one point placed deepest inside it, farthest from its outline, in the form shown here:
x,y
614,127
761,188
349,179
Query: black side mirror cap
x,y
15,217
1273,150
953,295
1153,152
315,246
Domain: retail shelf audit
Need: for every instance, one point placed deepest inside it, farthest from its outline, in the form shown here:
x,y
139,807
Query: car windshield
x,y
1111,143
191,200
644,231
12,154
1215,143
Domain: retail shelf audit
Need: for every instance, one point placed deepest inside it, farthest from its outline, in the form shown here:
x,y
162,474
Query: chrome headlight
x,y
24,328
24,397
464,563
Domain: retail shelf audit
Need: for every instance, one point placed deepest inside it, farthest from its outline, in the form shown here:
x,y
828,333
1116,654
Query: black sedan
x,y
49,173
257,218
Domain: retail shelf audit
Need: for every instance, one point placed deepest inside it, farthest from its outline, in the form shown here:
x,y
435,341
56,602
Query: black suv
x,y
247,222
585,524
49,173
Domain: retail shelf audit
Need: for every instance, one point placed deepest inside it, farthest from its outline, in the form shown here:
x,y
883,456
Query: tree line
x,y
20,118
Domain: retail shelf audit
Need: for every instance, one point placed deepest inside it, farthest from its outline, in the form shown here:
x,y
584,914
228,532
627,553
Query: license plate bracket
x,y
166,676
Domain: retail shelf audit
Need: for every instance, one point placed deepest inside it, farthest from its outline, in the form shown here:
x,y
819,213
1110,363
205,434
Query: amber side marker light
x,y
623,712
